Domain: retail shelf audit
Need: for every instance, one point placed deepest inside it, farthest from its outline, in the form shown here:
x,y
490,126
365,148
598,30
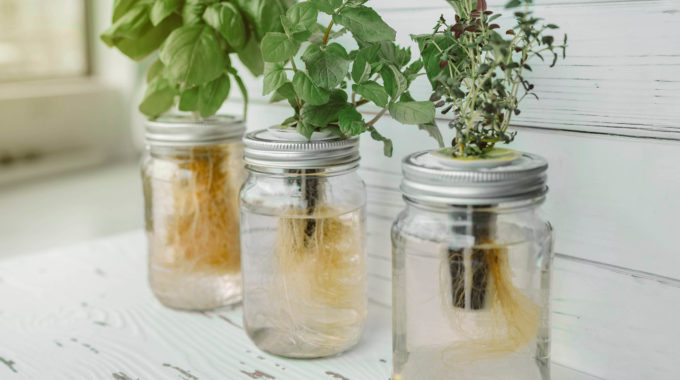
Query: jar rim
x,y
184,130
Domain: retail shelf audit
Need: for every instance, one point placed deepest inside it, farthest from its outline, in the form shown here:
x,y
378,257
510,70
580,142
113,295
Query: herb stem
x,y
377,117
328,32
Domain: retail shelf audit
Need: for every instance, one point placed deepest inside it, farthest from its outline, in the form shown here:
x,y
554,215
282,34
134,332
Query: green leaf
x,y
154,70
193,56
326,69
158,98
373,92
308,91
412,112
274,77
327,6
394,80
251,56
305,129
285,92
212,94
227,20
351,122
192,13
365,24
120,8
361,69
269,17
162,9
302,16
188,100
278,47
387,143
133,24
434,132
138,49
321,116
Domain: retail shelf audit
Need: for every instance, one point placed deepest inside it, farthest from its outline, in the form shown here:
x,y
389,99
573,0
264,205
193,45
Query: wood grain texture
x,y
86,312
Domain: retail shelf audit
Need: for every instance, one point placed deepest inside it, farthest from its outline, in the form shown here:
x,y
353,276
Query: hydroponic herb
x,y
327,92
196,39
477,70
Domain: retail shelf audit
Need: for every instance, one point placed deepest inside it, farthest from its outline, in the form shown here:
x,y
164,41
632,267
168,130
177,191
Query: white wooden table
x,y
86,312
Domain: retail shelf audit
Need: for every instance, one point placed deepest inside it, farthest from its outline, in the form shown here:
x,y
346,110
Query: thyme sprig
x,y
478,72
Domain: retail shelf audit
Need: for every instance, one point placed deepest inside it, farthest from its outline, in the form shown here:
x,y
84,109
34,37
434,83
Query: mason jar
x,y
192,171
302,238
472,260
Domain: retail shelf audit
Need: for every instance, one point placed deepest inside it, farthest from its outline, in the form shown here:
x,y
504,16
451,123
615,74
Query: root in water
x,y
202,225
493,316
318,290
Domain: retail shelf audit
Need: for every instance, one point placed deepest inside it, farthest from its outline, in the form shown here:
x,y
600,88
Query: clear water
x,y
435,339
304,285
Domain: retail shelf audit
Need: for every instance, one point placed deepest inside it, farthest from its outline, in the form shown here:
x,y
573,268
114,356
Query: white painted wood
x,y
86,313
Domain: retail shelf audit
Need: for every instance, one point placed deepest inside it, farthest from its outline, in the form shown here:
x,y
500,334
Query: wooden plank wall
x,y
608,124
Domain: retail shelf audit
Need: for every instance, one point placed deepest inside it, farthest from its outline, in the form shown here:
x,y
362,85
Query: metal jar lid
x,y
432,178
278,147
178,130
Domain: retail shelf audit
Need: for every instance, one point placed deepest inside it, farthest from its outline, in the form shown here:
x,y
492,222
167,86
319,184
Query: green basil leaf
x,y
365,24
434,132
278,47
412,112
188,100
305,129
269,17
192,55
251,56
394,80
133,24
326,69
140,48
211,95
327,6
373,92
158,98
192,13
120,8
226,19
162,9
351,122
156,69
274,77
302,16
308,91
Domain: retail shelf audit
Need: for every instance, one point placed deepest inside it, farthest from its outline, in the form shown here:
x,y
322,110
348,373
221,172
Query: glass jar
x,y
472,263
302,238
192,172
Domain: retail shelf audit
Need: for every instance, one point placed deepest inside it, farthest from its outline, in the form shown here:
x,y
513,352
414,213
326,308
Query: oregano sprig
x,y
326,85
195,39
477,73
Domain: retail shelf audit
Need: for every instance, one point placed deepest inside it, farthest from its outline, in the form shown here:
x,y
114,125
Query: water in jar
x,y
475,313
304,280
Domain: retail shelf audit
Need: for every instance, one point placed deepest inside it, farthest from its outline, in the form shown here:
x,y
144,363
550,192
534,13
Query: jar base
x,y
197,291
282,343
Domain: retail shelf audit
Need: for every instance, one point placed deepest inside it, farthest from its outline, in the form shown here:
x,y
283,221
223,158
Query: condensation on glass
x,y
471,271
302,236
192,172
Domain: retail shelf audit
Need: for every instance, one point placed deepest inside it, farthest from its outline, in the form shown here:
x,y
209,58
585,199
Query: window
x,y
42,39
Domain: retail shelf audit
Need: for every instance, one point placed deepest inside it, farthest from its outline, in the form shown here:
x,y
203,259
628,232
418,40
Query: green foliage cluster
x,y
478,73
326,93
196,39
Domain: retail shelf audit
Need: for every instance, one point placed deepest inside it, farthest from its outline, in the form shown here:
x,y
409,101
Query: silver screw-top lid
x,y
179,130
432,177
279,147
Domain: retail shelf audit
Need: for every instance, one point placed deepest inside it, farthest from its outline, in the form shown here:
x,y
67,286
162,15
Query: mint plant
x,y
477,71
196,39
326,93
